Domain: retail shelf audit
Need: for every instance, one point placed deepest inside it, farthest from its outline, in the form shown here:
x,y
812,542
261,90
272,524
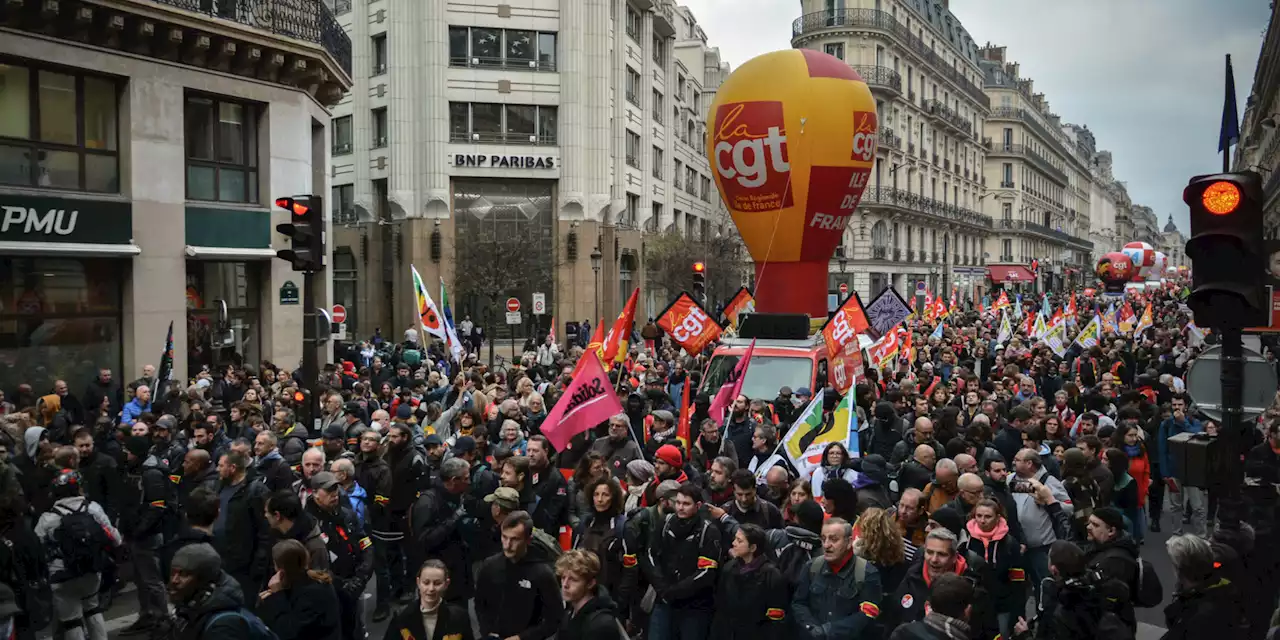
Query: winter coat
x,y
1117,560
1006,578
831,604
1206,611
596,620
245,539
452,622
907,604
521,597
435,535
751,602
51,520
307,531
210,614
305,611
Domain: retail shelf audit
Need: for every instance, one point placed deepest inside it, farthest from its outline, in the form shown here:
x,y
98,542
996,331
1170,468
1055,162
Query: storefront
x,y
63,262
223,314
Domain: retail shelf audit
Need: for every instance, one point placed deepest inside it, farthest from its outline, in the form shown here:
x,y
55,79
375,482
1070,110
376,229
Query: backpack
x,y
411,357
258,630
859,570
548,544
34,594
80,542
792,559
1147,592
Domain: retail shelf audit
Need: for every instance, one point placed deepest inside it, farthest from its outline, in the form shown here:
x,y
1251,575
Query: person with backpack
x,y
1114,555
796,546
207,601
78,538
839,596
591,612
1075,604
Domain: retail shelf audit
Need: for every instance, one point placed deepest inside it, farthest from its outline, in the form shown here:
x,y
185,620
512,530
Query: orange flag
x,y
683,429
615,345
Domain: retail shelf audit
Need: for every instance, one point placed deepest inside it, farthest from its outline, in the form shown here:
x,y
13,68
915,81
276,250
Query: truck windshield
x,y
765,375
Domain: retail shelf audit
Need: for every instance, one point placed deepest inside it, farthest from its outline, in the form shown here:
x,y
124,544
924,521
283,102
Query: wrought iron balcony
x,y
1006,184
911,148
911,203
897,254
1027,118
509,64
949,118
1025,151
911,255
1047,233
1006,257
295,43
889,139
812,23
879,253
880,78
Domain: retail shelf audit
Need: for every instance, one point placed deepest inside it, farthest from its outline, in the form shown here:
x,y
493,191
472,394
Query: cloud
x,y
1146,77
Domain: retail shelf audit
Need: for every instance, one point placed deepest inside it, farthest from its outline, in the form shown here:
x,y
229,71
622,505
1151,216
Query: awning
x,y
229,253
1009,273
68,248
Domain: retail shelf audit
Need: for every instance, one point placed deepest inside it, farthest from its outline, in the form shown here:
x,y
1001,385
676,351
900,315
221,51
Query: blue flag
x,y
1230,133
937,333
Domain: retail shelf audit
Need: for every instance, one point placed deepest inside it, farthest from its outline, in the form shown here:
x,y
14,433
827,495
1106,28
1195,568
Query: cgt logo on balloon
x,y
864,136
750,152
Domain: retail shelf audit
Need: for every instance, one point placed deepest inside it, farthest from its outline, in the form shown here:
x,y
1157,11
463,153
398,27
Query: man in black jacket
x,y
747,507
144,508
240,532
682,564
408,477
551,511
100,474
100,388
514,595
350,551
271,467
434,532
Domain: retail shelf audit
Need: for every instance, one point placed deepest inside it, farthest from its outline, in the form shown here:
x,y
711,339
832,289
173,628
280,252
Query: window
x,y
633,149
675,175
379,122
505,123
502,48
341,135
343,203
835,49
706,189
1007,254
690,180
222,150
658,162
58,130
379,54
680,87
659,55
656,107
1008,175
633,87
655,222
633,23
633,210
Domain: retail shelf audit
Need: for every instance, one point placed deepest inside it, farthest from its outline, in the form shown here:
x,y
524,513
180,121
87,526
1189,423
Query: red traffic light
x,y
699,267
299,396
293,206
1221,198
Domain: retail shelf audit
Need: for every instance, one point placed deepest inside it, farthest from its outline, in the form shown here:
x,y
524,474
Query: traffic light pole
x,y
310,343
1231,436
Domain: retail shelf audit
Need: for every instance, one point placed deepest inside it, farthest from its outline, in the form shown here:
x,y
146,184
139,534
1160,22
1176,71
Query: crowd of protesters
x,y
994,490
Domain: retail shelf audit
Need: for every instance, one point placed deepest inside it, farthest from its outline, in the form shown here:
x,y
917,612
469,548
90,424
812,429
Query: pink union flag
x,y
732,385
588,401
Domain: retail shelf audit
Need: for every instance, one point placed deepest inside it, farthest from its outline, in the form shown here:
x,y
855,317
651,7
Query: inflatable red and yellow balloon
x,y
792,143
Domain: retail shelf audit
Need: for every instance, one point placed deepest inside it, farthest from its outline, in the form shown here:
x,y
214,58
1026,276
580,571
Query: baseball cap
x,y
504,497
465,444
335,432
352,408
433,440
167,421
324,480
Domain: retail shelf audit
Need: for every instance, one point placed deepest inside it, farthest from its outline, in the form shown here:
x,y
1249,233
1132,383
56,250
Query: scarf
x,y
1133,451
961,567
987,537
951,628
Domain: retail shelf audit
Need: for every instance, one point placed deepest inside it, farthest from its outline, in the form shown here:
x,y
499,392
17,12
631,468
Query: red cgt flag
x,y
588,401
845,325
689,324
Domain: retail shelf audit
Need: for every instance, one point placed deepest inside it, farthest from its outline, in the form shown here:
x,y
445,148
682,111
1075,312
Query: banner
x,y
809,436
742,302
1040,328
615,344
846,413
732,385
886,349
1006,330
846,366
884,313
1145,322
1056,338
688,324
844,325
587,401
165,374
426,310
1091,333
454,344
1001,302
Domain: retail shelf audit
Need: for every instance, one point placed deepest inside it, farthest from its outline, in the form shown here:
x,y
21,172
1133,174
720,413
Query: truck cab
x,y
775,363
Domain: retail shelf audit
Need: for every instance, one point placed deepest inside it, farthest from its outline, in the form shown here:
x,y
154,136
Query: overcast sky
x,y
1146,76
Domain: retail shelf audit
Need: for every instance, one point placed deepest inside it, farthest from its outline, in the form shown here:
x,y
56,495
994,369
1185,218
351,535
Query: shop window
x,y
237,284
59,320
222,149
58,129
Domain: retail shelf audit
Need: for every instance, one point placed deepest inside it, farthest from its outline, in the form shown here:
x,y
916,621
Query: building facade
x,y
1146,227
1259,147
513,150
1174,245
1108,197
919,223
1039,183
141,147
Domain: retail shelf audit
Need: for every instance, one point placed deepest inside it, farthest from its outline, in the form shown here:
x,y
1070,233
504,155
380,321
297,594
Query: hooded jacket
x,y
596,620
196,616
793,549
518,598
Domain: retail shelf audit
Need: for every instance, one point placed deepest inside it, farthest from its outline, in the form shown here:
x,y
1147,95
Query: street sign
x,y
844,289
288,293
1204,383
513,305
920,288
539,303
513,317
339,313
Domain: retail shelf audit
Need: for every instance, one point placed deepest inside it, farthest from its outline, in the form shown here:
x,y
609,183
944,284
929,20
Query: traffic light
x,y
1227,250
302,407
700,281
305,230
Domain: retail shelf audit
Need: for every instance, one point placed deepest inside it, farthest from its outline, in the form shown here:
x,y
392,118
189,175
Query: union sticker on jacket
x,y
525,584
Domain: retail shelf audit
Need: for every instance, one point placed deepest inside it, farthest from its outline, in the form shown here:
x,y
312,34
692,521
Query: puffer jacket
x,y
47,527
207,615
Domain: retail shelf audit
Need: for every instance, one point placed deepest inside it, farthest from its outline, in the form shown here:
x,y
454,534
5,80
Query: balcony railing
x,y
1026,151
1006,257
880,77
889,139
879,253
884,21
948,117
511,64
1046,232
897,253
888,196
306,20
1026,117
911,255
1006,184
498,137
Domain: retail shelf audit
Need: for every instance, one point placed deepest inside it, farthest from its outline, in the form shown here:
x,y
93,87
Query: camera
x,y
1022,486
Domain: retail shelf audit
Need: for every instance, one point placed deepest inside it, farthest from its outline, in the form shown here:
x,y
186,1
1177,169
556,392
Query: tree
x,y
669,259
495,262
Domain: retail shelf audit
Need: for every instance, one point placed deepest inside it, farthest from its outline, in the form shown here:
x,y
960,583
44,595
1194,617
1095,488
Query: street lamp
x,y
595,268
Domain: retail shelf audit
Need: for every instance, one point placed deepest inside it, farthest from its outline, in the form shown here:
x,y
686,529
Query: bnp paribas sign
x,y
65,220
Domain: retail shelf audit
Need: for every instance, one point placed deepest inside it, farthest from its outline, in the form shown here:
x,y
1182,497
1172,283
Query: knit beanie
x,y
200,560
670,454
138,445
641,470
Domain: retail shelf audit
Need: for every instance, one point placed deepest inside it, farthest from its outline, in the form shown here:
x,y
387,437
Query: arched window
x,y
880,234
